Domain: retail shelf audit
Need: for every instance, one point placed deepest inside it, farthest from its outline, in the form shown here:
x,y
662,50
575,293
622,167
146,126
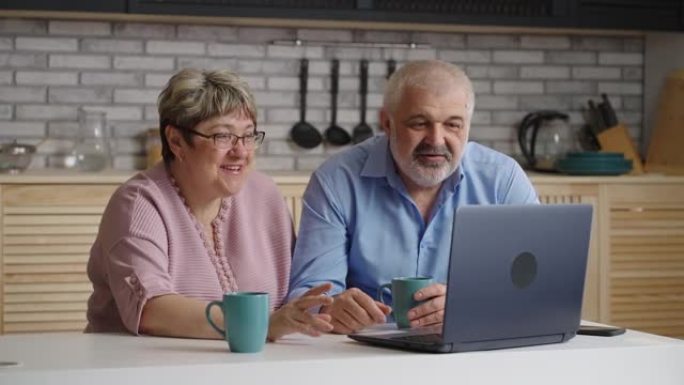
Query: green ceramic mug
x,y
403,289
245,317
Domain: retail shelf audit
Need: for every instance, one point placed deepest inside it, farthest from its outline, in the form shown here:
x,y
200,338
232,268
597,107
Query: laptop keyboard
x,y
421,338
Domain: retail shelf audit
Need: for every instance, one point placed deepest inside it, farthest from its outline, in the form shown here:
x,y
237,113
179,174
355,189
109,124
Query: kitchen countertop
x,y
631,358
46,176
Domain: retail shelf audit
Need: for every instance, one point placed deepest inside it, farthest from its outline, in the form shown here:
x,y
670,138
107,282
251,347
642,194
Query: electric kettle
x,y
545,137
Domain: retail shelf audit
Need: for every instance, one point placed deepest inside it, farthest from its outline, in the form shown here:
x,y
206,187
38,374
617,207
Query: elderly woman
x,y
197,225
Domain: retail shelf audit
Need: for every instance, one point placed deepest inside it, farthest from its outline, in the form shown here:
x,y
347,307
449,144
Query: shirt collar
x,y
379,162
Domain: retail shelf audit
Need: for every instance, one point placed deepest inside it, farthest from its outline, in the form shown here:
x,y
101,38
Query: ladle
x,y
335,134
363,131
302,133
391,67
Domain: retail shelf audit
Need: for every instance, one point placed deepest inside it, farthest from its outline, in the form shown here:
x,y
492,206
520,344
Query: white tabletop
x,y
74,358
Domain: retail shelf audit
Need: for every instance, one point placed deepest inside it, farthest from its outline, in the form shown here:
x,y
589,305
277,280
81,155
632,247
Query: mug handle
x,y
380,290
207,313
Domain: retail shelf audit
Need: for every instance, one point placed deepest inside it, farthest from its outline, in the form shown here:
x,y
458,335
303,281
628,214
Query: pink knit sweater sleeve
x,y
134,248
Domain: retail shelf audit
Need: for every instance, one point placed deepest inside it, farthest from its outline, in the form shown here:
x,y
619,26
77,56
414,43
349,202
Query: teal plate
x,y
594,166
595,155
594,170
613,171
594,163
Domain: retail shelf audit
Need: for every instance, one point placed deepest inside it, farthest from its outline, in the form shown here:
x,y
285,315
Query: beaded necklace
x,y
216,253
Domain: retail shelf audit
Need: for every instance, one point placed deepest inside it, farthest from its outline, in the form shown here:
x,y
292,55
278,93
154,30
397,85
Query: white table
x,y
74,358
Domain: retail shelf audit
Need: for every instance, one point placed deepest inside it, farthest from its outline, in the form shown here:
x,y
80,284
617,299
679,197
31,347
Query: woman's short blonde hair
x,y
192,96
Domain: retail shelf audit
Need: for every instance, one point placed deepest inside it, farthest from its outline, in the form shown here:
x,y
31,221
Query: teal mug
x,y
403,289
245,317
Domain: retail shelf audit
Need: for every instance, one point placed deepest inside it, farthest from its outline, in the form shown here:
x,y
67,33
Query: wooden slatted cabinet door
x,y
47,232
647,257
555,193
293,193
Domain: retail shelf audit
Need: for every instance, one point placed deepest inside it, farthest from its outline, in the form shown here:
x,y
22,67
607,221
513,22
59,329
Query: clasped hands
x,y
350,311
353,310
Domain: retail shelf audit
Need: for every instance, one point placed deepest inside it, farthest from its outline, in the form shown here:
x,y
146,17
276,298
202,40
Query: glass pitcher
x,y
91,152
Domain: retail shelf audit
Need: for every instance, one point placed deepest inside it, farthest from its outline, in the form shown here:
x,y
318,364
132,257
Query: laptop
x,y
516,278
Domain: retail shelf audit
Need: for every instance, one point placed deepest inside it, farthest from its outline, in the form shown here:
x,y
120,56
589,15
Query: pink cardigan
x,y
148,246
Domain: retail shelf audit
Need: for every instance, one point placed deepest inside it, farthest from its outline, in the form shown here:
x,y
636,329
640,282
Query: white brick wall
x,y
206,33
544,72
175,47
236,50
583,72
112,46
112,78
22,94
50,68
6,77
80,61
465,56
52,44
5,44
545,42
79,95
49,78
143,63
81,28
23,60
136,96
5,111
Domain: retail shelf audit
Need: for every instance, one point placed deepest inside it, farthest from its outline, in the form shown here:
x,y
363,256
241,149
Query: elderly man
x,y
385,208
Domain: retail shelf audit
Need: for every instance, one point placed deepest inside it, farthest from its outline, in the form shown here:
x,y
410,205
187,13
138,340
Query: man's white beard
x,y
422,175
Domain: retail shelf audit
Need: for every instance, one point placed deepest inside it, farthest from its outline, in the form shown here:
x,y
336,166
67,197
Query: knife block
x,y
617,139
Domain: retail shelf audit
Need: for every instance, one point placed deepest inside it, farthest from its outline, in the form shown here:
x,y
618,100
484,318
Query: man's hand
x,y
293,317
430,312
353,310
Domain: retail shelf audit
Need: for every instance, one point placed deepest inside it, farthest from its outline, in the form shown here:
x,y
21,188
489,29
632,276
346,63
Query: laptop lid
x,y
516,278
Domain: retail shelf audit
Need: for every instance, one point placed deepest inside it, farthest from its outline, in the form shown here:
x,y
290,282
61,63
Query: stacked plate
x,y
594,163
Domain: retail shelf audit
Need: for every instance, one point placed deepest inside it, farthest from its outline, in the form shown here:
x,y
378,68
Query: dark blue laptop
x,y
516,278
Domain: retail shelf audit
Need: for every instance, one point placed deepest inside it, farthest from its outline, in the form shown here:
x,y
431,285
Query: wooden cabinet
x,y
47,231
646,251
292,189
635,274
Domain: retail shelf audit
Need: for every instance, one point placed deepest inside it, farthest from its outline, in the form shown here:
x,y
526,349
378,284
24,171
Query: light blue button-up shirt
x,y
360,228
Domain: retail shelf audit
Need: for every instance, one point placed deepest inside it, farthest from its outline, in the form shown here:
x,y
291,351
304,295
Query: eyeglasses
x,y
226,141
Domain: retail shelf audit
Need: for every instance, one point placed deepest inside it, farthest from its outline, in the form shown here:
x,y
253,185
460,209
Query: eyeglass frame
x,y
258,138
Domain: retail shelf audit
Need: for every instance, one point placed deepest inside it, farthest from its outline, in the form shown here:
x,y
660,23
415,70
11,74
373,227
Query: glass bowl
x,y
15,157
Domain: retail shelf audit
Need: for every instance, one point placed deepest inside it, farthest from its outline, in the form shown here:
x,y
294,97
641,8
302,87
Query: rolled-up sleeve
x,y
129,262
137,270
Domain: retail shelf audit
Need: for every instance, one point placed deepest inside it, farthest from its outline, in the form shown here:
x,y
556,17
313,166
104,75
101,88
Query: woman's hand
x,y
293,317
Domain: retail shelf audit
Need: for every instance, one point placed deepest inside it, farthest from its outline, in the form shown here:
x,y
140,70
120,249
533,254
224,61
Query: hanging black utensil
x,y
391,67
363,131
335,134
302,133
